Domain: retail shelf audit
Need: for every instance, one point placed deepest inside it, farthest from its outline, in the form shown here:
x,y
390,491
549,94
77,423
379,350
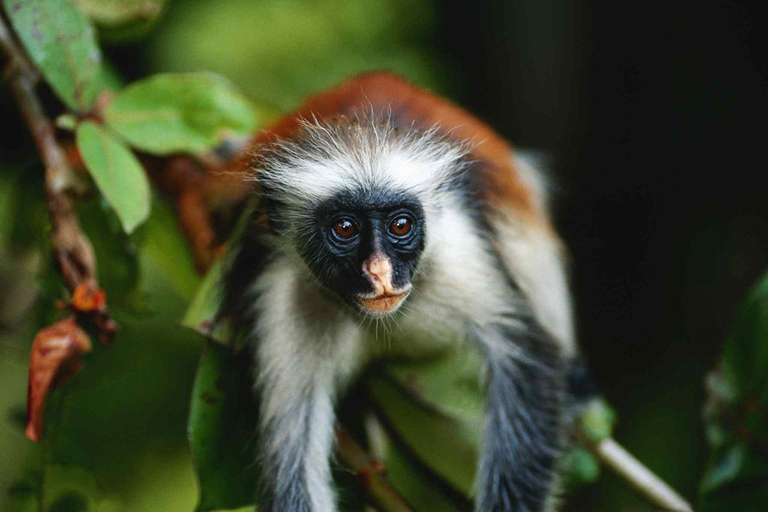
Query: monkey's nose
x,y
378,268
385,298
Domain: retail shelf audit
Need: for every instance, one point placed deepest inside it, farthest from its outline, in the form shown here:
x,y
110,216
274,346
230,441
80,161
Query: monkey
x,y
381,202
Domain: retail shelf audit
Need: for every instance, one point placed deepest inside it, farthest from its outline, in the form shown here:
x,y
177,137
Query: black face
x,y
351,228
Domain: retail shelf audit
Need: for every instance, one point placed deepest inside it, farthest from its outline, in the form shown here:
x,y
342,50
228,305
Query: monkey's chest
x,y
420,331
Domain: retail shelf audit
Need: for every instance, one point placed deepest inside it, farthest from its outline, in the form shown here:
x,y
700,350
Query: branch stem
x,y
72,249
380,493
634,473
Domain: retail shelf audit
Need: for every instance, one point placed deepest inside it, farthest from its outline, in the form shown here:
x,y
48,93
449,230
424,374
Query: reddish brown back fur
x,y
385,92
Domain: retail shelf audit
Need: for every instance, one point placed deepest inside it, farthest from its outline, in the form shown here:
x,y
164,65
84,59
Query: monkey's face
x,y
364,246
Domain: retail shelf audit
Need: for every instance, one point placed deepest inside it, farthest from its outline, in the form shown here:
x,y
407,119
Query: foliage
x,y
221,432
279,52
737,414
179,113
117,172
121,20
62,43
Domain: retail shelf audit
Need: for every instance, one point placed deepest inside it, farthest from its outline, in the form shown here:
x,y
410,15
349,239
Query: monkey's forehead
x,y
325,159
361,200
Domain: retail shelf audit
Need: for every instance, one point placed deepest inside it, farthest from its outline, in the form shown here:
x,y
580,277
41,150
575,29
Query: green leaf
x,y
745,360
449,384
596,420
580,468
117,173
201,315
222,426
66,122
439,401
735,480
203,311
736,414
174,113
428,432
61,42
420,489
120,20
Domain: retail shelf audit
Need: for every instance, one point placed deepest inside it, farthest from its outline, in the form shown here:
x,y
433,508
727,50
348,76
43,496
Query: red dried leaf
x,y
86,298
54,361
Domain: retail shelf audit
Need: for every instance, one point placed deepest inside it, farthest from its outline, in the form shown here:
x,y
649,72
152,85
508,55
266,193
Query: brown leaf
x,y
54,361
86,298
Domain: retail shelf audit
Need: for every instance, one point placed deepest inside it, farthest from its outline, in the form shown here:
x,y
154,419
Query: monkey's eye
x,y
401,226
344,229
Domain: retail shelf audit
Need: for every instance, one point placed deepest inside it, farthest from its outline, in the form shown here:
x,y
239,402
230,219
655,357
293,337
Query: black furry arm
x,y
524,418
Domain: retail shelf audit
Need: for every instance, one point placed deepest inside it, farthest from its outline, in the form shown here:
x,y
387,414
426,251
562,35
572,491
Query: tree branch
x,y
201,189
372,476
634,473
72,250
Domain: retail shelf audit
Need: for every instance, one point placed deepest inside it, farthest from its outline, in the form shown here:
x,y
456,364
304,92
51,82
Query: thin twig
x,y
201,188
72,250
185,181
639,477
379,492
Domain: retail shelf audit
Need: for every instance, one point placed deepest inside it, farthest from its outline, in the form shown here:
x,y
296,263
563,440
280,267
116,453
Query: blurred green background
x,y
649,113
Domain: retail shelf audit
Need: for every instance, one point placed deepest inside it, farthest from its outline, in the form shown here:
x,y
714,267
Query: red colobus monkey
x,y
380,200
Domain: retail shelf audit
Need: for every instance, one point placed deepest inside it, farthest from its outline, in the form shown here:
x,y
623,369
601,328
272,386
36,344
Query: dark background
x,y
656,113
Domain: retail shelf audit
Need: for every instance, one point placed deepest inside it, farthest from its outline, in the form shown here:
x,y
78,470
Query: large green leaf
x,y
447,446
117,173
737,415
222,426
173,113
419,488
61,42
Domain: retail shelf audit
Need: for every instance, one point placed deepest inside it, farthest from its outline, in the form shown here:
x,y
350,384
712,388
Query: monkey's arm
x,y
524,416
295,437
300,356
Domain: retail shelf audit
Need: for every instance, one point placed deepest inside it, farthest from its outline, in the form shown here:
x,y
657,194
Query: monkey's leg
x,y
524,418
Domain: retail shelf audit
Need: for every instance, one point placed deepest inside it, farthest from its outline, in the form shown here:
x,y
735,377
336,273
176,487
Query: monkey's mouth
x,y
382,304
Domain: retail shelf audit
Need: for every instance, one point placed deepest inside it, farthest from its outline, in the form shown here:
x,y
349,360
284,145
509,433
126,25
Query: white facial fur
x,y
362,154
